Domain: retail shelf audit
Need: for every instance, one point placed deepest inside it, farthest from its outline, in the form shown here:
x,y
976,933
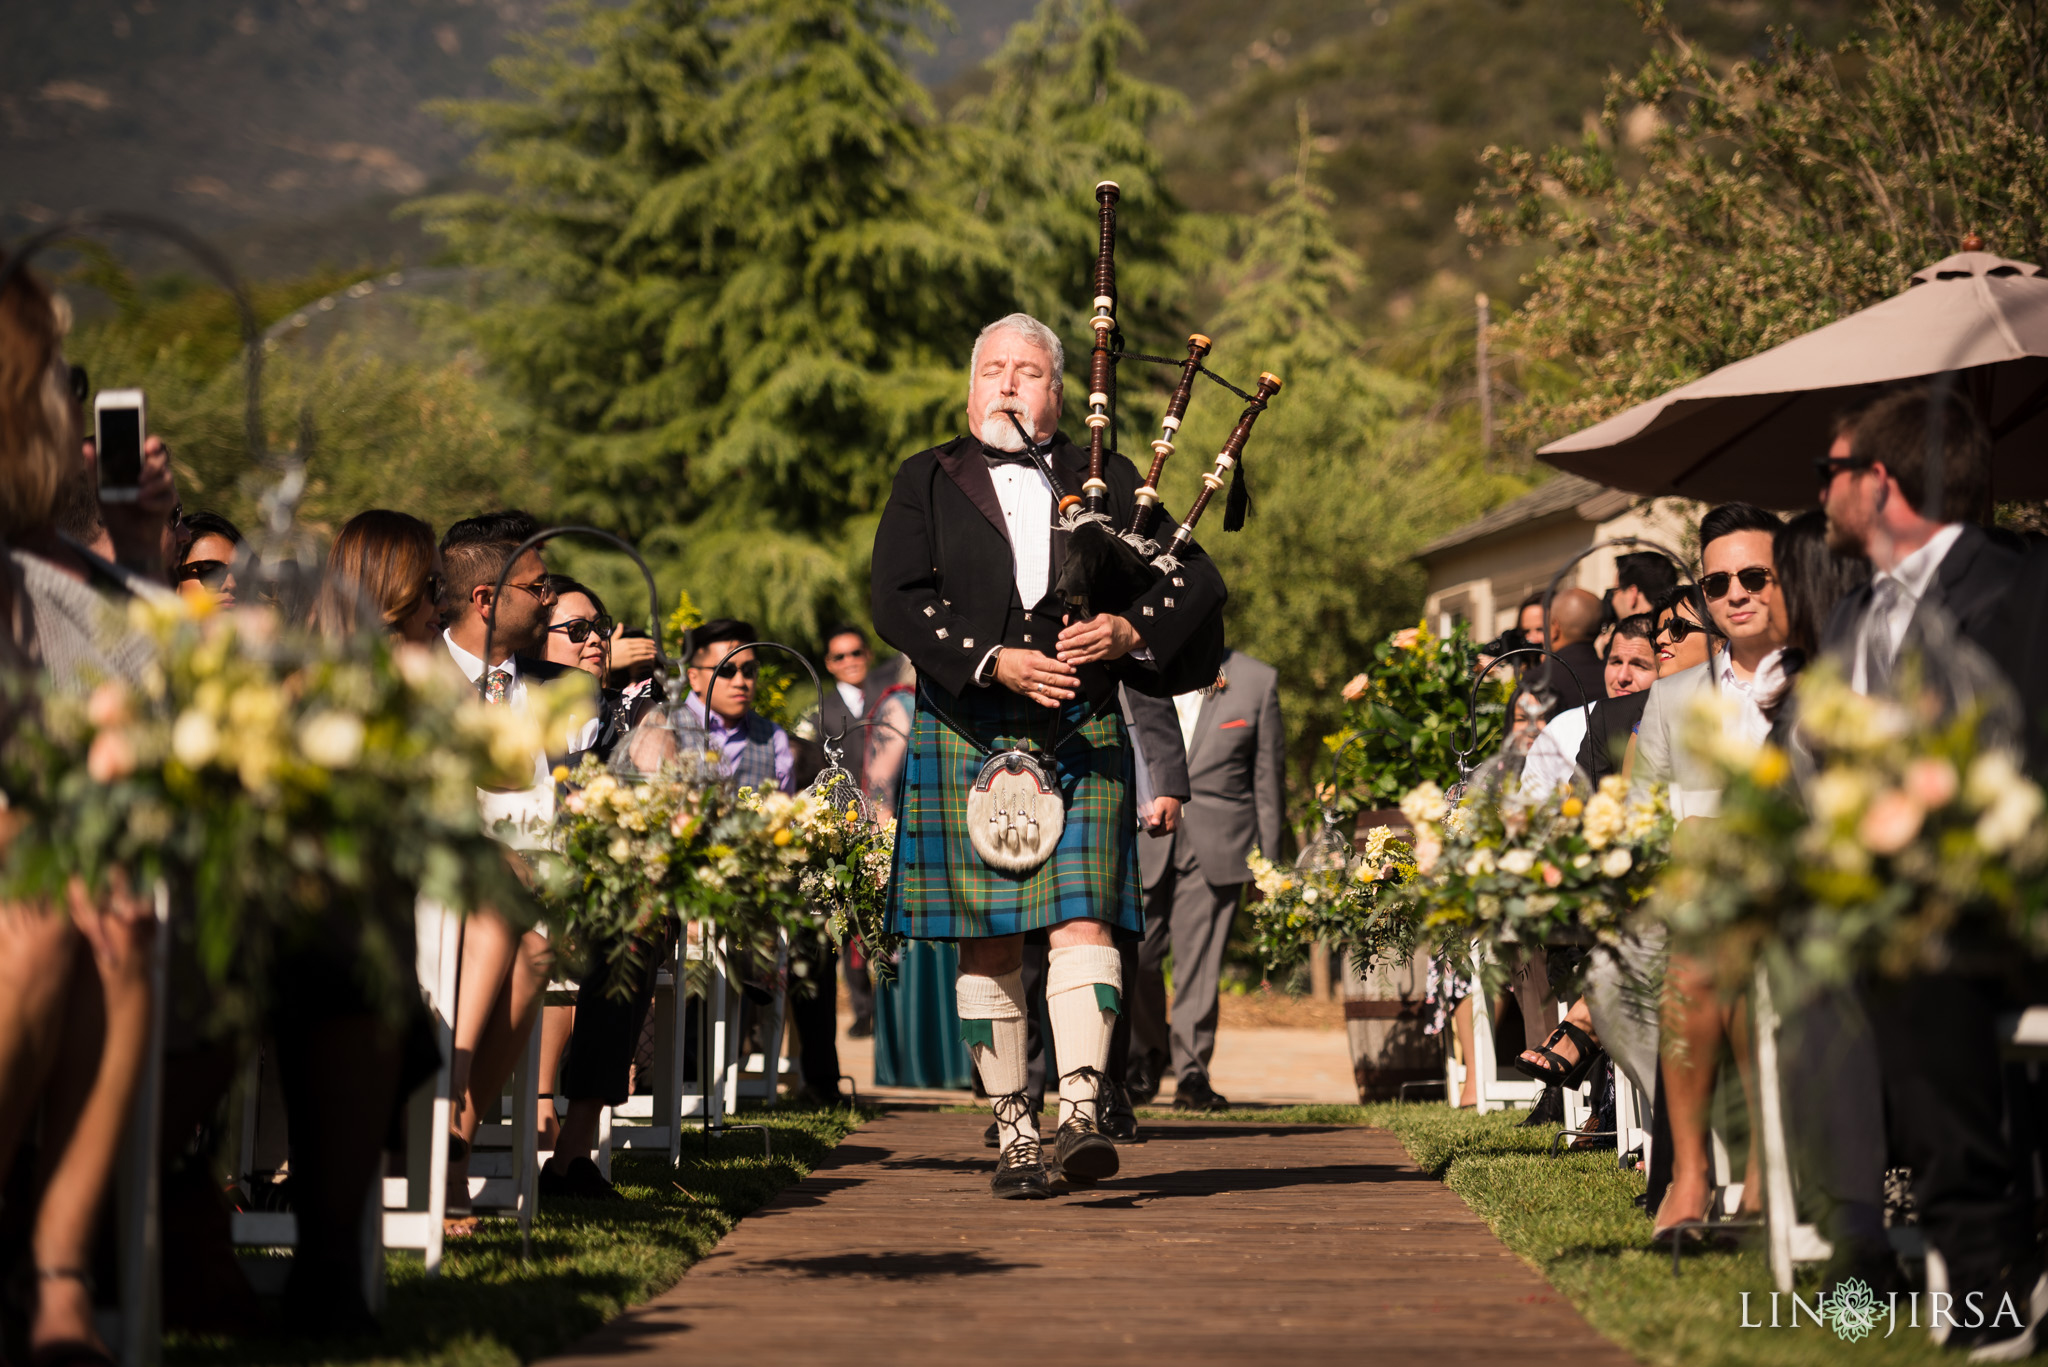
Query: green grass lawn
x,y
1573,1217
590,1259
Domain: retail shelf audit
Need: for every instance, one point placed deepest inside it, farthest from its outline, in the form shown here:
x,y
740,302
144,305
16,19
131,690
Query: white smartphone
x,y
118,423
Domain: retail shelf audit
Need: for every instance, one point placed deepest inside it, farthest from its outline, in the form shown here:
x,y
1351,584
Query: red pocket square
x,y
1226,725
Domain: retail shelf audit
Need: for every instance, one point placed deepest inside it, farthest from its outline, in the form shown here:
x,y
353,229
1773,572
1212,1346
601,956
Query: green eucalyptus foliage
x,y
1411,722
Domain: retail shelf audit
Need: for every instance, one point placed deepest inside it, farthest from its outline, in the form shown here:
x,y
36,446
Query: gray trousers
x,y
1188,914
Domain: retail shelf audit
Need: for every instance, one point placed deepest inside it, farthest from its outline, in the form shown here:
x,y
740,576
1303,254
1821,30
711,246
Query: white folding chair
x,y
652,1120
504,1158
402,1212
416,1205
1496,1091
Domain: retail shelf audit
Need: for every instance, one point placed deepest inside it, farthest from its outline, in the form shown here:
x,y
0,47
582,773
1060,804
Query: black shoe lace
x,y
1014,1109
1102,1084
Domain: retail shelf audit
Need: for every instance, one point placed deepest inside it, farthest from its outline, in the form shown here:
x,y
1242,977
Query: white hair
x,y
1035,332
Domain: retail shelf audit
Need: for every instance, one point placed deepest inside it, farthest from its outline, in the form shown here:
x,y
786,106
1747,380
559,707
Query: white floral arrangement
x,y
1910,820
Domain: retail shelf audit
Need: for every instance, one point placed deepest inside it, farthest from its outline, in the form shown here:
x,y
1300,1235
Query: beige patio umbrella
x,y
1752,430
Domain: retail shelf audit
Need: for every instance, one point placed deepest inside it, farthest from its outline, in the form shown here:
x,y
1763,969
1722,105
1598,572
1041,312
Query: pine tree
x,y
1062,112
746,293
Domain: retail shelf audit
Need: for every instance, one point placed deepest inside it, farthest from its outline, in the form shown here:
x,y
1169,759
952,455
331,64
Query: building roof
x,y
1589,501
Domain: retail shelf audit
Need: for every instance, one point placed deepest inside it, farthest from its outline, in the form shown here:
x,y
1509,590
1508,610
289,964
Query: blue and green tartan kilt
x,y
939,888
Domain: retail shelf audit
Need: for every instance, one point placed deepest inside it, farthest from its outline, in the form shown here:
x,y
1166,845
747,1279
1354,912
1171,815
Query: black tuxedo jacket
x,y
1970,586
944,582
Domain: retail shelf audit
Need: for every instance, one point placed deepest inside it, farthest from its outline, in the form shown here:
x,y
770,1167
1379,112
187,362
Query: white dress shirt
x,y
1553,757
530,810
850,694
1027,516
1188,707
1749,721
1895,596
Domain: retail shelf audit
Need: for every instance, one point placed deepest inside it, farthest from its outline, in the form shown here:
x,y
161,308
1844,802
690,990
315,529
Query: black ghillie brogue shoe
x,y
1020,1167
1081,1151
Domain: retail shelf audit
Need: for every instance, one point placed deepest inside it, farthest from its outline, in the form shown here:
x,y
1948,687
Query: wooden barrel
x,y
1384,1012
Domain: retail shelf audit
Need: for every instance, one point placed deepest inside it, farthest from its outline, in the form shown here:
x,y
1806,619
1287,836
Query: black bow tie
x,y
996,456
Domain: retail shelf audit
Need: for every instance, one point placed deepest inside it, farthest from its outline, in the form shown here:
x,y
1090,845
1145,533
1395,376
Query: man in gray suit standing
x,y
1194,881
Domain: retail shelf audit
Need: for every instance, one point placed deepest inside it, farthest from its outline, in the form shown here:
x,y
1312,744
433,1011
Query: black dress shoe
x,y
1082,1154
580,1181
861,1029
1548,1110
1195,1094
1141,1079
1119,1122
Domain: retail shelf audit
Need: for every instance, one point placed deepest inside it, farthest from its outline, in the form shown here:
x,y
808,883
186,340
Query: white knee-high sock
x,y
992,1026
1083,994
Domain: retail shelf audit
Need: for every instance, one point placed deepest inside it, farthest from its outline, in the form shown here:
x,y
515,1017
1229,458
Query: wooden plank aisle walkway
x,y
1218,1243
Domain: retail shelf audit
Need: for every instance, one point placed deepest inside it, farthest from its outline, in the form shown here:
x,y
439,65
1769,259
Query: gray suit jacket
x,y
1236,778
1661,753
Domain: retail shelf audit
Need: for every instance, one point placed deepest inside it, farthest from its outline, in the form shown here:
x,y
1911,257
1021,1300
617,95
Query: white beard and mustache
x,y
996,429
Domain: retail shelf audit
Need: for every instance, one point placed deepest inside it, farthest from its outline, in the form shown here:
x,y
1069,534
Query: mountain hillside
x,y
290,129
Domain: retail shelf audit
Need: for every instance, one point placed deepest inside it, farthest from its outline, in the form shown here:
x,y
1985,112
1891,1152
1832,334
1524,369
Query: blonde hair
x,y
38,423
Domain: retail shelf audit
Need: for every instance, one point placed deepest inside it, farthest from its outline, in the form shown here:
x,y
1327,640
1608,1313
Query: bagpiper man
x,y
1016,810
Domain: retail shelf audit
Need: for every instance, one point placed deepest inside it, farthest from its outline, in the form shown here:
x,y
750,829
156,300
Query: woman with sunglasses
x,y
383,568
207,562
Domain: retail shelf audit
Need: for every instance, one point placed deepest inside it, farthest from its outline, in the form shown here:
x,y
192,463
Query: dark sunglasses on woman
x,y
211,573
1678,629
1752,579
578,629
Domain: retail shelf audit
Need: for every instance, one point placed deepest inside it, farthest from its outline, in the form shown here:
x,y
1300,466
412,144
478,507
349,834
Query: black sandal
x,y
1561,1073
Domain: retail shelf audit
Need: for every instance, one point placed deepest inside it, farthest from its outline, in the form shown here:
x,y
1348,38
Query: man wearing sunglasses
x,y
1941,585
722,678
1739,583
1926,553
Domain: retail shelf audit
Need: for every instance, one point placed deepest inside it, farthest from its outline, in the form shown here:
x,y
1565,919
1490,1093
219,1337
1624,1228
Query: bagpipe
x,y
1105,568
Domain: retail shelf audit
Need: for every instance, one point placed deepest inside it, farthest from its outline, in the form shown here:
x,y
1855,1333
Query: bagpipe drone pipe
x,y
1104,569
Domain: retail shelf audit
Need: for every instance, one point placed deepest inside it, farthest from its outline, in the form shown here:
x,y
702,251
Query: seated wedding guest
x,y
1904,482
1740,582
1573,677
504,974
383,573
757,753
207,562
1628,668
1643,579
75,996
600,1031
1677,643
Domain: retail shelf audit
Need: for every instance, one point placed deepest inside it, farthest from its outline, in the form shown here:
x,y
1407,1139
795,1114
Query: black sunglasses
x,y
1753,579
211,573
1826,468
81,383
729,670
1679,628
578,629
